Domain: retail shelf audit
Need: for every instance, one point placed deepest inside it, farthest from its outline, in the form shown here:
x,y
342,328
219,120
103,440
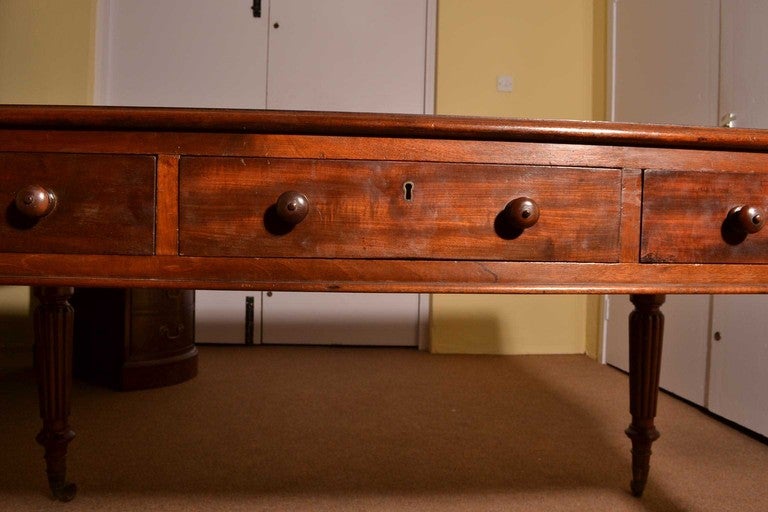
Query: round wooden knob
x,y
521,213
292,207
747,219
35,202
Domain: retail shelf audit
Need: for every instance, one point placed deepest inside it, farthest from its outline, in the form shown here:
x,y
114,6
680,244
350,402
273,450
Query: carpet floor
x,y
326,429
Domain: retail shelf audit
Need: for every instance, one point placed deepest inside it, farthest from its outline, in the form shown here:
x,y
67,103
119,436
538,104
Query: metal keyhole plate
x,y
408,190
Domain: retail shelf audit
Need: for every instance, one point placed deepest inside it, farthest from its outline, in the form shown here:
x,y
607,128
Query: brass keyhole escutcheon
x,y
408,190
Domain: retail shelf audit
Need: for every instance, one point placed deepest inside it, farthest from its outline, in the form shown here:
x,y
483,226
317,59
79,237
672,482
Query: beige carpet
x,y
375,429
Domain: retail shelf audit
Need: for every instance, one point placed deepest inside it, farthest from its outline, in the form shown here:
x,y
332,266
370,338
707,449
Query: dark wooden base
x,y
131,339
167,371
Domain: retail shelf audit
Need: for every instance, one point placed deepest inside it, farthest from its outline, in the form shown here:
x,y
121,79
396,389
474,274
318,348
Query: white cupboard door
x,y
353,55
341,319
738,379
227,317
684,352
665,61
666,58
744,63
348,55
181,53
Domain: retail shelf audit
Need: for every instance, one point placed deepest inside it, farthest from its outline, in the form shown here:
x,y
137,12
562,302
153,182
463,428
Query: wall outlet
x,y
504,83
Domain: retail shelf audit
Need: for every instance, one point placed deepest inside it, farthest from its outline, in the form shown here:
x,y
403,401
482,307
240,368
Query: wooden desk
x,y
176,198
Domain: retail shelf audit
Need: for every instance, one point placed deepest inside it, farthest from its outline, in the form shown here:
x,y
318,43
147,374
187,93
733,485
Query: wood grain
x,y
105,203
684,214
379,125
631,208
359,210
354,275
167,232
322,147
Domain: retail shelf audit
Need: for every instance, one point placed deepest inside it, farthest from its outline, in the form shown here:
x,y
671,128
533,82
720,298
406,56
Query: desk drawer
x,y
102,204
686,217
367,209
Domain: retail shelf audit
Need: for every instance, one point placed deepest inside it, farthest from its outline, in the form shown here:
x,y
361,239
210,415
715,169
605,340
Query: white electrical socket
x,y
504,83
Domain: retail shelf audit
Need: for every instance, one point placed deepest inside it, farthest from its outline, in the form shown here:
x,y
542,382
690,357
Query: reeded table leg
x,y
646,329
53,366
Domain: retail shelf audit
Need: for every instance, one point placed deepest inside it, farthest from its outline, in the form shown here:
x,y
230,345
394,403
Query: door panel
x,y
183,53
665,61
738,380
686,331
344,319
348,55
743,73
363,55
665,70
227,317
677,51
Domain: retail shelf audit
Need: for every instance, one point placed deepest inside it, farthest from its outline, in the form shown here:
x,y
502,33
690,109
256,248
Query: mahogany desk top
x,y
309,201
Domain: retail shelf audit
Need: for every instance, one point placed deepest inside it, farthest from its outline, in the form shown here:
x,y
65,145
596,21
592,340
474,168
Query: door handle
x,y
728,120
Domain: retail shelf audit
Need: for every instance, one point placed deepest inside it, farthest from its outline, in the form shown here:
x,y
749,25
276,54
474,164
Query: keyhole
x,y
408,188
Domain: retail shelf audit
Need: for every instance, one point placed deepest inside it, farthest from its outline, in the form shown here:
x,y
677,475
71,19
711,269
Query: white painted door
x,y
344,55
349,55
181,53
665,61
341,319
669,78
228,317
738,381
744,63
665,70
686,333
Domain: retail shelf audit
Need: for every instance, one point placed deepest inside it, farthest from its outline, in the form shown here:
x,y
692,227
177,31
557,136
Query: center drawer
x,y
373,209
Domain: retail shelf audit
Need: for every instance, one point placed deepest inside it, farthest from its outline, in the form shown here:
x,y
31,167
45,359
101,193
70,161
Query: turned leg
x,y
53,366
646,329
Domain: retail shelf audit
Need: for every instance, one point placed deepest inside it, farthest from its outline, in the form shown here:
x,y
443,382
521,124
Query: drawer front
x,y
366,209
686,217
101,204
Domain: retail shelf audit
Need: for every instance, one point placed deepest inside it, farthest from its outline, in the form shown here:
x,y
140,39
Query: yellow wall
x,y
15,323
46,56
554,50
46,51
